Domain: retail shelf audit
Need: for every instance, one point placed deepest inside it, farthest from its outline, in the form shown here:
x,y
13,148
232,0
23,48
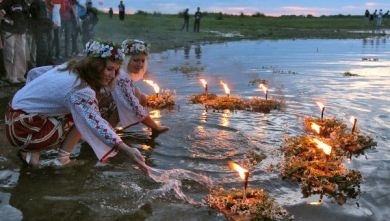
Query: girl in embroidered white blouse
x,y
129,100
60,107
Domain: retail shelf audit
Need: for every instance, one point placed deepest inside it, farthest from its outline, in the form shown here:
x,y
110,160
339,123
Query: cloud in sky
x,y
299,10
234,10
351,7
371,4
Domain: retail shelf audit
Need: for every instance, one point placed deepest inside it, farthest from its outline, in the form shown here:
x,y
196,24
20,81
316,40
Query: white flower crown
x,y
104,49
134,47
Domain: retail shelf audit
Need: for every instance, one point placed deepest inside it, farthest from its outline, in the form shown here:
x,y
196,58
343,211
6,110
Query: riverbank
x,y
163,31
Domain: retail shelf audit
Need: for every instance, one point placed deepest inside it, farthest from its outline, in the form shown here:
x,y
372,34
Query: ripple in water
x,y
172,181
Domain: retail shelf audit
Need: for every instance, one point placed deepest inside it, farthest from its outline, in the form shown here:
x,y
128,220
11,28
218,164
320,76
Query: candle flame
x,y
241,171
321,145
315,127
204,82
352,119
316,203
265,89
225,87
321,105
146,147
154,85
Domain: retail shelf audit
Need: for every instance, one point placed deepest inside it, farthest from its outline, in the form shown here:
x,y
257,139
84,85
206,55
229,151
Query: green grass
x,y
163,31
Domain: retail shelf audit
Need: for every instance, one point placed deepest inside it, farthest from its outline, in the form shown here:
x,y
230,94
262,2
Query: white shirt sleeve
x,y
95,130
36,72
130,110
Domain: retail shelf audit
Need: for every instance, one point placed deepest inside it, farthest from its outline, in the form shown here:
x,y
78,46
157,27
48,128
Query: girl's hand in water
x,y
140,160
135,155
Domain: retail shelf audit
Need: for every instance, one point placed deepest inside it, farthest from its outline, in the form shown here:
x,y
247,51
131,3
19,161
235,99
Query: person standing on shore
x,y
89,22
14,27
41,26
2,68
379,19
122,10
198,16
373,17
367,16
110,13
186,17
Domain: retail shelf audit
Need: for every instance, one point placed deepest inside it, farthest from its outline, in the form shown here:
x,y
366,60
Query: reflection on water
x,y
197,52
195,152
225,118
374,42
155,114
186,50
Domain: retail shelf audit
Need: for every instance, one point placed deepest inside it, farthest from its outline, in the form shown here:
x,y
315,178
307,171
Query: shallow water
x,y
193,155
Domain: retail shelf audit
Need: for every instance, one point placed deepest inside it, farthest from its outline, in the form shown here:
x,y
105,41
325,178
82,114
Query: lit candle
x,y
154,85
315,127
265,90
321,145
322,107
204,83
244,174
354,121
226,88
316,203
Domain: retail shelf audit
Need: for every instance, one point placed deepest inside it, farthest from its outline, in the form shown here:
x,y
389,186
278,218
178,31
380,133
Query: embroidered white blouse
x,y
130,110
57,93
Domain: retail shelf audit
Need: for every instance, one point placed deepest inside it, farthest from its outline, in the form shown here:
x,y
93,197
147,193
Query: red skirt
x,y
34,132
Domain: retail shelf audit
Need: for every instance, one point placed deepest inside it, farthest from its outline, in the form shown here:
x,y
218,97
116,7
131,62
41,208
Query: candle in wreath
x,y
321,145
154,85
322,107
265,90
226,88
353,121
315,127
244,174
204,83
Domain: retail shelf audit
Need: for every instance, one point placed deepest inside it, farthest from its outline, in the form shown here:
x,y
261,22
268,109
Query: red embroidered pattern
x,y
88,108
126,85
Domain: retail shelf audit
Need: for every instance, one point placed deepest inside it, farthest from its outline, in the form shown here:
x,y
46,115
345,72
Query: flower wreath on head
x,y
135,47
104,49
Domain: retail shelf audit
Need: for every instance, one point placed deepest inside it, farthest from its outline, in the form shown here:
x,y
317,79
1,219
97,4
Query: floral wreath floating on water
x,y
104,49
135,47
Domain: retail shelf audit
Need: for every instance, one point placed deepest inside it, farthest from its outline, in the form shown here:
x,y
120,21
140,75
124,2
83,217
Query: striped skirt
x,y
34,132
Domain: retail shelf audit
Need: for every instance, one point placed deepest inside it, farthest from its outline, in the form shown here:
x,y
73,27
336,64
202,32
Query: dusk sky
x,y
270,8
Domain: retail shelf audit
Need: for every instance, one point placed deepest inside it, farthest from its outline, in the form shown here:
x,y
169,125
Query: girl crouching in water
x,y
60,107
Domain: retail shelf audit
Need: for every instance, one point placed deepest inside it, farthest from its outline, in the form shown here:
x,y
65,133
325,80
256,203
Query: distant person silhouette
x,y
373,16
186,20
367,16
379,19
198,16
110,13
121,8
